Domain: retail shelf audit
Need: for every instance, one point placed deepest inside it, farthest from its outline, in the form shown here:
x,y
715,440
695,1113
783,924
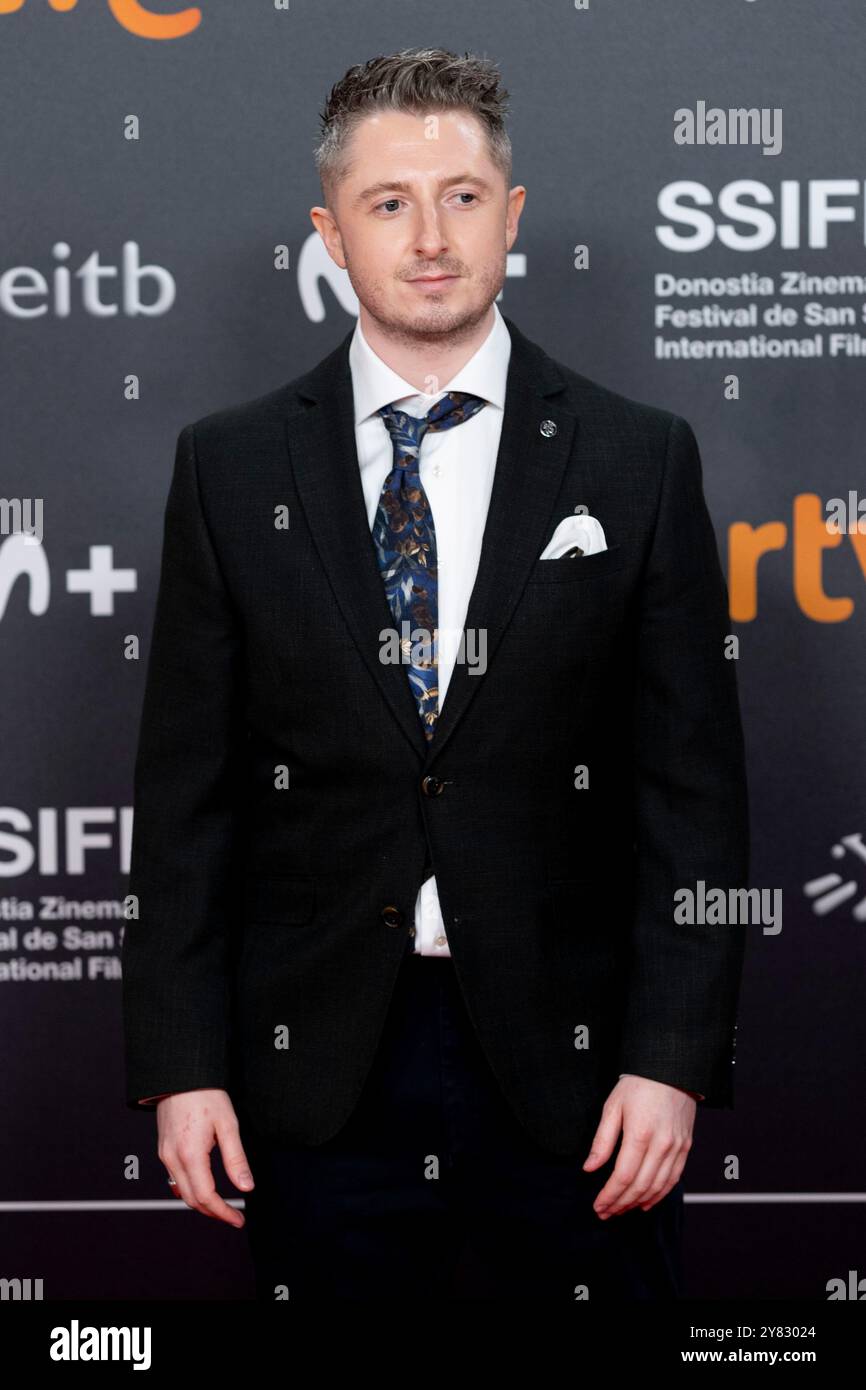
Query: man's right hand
x,y
189,1123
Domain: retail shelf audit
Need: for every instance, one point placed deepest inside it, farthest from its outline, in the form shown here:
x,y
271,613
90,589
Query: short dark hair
x,y
416,80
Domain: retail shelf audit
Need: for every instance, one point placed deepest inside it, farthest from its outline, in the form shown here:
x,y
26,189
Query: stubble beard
x,y
433,322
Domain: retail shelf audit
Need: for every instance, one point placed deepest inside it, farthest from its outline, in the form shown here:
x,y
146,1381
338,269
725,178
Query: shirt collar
x,y
375,384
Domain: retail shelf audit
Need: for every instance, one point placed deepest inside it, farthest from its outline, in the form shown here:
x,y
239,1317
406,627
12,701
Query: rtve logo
x,y
811,536
133,16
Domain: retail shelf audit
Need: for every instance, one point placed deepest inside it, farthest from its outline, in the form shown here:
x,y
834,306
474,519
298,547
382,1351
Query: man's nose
x,y
430,239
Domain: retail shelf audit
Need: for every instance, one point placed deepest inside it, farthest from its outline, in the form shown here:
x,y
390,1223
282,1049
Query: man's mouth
x,y
431,279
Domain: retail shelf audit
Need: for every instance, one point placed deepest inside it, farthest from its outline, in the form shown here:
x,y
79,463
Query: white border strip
x,y
696,1198
707,1198
159,1204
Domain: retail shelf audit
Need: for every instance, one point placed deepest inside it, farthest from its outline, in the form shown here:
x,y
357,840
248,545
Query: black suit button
x,y
432,786
392,916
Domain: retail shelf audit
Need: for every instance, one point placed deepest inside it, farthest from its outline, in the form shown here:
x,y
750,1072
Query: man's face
x,y
422,198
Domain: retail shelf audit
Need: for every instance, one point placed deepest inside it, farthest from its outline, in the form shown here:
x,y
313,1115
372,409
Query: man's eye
x,y
388,204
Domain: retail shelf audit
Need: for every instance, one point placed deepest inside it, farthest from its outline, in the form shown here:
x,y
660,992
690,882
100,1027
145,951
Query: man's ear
x,y
516,199
325,224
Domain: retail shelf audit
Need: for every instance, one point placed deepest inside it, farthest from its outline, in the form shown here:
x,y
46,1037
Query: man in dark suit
x,y
406,958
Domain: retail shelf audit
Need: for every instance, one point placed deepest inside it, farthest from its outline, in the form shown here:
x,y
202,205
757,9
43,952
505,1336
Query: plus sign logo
x,y
100,580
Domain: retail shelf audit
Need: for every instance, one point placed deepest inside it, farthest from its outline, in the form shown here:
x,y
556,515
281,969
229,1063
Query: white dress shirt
x,y
456,469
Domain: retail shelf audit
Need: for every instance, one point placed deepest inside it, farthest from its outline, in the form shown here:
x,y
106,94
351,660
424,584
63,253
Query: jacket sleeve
x,y
176,976
690,798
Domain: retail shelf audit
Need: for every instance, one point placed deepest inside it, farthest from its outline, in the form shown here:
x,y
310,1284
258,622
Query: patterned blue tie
x,y
405,541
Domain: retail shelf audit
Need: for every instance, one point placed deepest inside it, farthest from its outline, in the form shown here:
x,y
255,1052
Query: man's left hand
x,y
656,1121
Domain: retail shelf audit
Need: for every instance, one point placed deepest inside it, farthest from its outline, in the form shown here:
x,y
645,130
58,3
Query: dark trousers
x,y
433,1189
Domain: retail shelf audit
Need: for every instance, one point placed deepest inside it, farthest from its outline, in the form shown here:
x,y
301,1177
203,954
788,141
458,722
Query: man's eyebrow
x,y
396,186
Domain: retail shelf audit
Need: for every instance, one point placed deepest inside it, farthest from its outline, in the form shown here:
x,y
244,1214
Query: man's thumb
x,y
235,1160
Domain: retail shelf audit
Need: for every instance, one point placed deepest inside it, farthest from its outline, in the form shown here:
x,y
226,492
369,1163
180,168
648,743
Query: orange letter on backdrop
x,y
133,16
811,539
140,21
746,545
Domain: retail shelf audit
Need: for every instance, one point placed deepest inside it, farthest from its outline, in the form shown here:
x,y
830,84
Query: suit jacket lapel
x,y
528,475
324,456
321,440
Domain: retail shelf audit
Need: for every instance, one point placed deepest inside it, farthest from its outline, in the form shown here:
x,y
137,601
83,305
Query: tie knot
x,y
407,430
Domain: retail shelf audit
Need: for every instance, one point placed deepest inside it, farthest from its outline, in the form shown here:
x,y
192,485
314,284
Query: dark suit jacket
x,y
265,908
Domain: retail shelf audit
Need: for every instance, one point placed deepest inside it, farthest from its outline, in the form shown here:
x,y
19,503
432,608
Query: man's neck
x,y
419,361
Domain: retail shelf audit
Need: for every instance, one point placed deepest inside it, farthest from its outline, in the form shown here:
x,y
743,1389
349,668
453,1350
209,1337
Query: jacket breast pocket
x,y
279,899
572,569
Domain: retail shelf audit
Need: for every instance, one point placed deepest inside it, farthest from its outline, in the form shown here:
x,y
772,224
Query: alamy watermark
x,y
16,518
729,907
416,646
739,125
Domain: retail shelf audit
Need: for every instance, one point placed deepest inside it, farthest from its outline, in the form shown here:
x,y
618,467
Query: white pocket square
x,y
580,530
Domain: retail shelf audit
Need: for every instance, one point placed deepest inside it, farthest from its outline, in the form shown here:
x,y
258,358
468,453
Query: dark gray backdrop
x,y
221,175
